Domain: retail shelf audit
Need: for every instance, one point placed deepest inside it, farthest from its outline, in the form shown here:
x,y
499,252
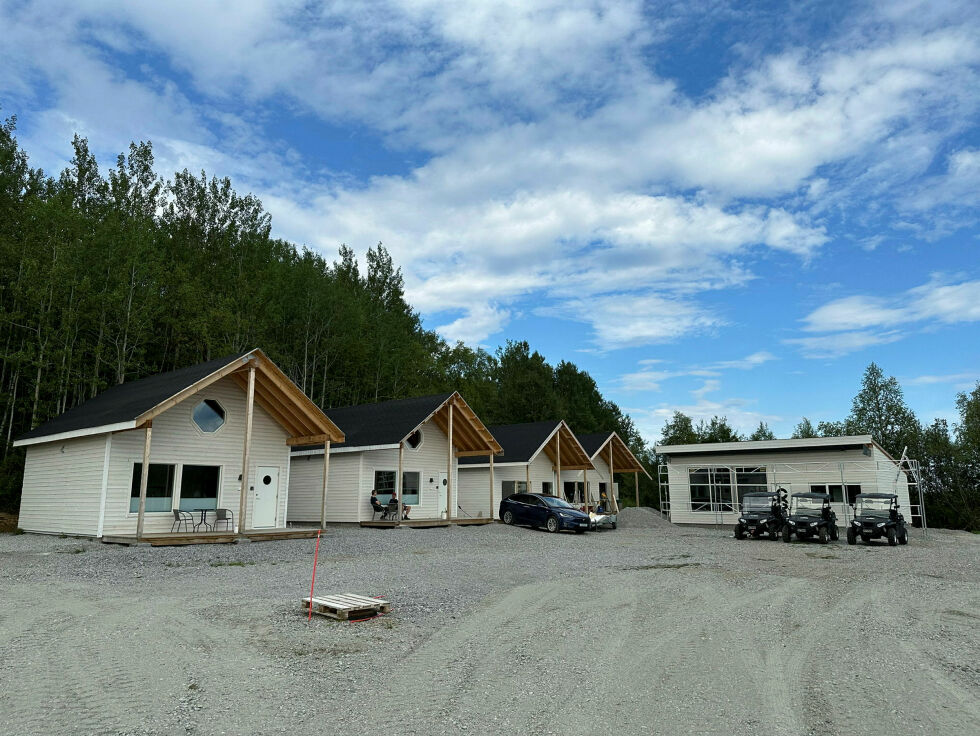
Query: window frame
x,y
136,482
394,473
224,421
217,490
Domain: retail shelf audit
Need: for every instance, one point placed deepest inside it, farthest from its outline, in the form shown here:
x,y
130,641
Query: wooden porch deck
x,y
427,523
177,539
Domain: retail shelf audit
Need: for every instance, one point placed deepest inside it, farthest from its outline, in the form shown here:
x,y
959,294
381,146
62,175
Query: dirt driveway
x,y
647,629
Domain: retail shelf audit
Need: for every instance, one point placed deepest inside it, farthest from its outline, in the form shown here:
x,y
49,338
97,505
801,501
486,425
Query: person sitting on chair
x,y
375,503
405,509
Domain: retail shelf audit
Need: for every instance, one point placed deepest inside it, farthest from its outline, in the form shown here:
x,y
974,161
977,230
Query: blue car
x,y
534,509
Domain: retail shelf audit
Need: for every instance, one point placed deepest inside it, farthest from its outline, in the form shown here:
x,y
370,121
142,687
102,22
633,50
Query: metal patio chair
x,y
182,517
223,516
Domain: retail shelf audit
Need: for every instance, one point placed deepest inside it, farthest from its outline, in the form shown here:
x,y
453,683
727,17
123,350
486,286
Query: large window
x,y
574,491
509,487
199,487
711,488
546,487
384,484
750,480
410,488
159,488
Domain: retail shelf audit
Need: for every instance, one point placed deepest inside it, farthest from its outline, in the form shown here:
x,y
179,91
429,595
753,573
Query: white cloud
x,y
842,343
475,326
960,381
647,379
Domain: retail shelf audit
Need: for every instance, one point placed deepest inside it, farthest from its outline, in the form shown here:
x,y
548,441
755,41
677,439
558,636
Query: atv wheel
x,y
552,524
508,517
852,537
834,533
739,532
822,535
787,534
903,538
892,539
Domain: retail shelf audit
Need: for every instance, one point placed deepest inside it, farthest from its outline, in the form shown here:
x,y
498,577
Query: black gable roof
x,y
520,441
127,401
384,423
592,442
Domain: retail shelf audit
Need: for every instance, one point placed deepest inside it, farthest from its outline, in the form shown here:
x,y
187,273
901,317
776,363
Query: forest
x,y
108,276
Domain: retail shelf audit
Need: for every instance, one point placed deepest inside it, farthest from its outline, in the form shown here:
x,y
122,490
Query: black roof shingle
x,y
520,441
127,401
593,442
384,423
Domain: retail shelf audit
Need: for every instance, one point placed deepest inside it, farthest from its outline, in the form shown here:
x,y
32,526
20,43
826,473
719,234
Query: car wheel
x,y
739,532
508,517
822,535
787,534
852,537
892,539
834,533
903,538
552,524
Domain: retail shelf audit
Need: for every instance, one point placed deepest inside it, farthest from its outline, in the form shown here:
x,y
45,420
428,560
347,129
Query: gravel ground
x,y
647,629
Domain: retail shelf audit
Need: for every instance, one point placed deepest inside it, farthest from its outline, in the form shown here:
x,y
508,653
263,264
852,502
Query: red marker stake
x,y
316,553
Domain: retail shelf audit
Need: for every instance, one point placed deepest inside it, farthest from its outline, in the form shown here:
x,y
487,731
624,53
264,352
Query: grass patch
x,y
232,563
73,551
819,556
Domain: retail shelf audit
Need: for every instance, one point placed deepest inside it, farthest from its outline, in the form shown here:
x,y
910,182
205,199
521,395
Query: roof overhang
x,y
624,461
563,448
470,435
812,443
88,431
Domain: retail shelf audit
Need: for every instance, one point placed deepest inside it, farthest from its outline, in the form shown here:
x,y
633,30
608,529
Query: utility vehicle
x,y
810,515
876,515
763,512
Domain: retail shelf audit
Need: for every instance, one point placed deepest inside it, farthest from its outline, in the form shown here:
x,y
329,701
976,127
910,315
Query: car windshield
x,y
806,504
874,506
756,503
557,503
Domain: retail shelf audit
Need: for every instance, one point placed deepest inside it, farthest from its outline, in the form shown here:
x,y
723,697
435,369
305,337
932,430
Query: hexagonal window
x,y
209,416
415,439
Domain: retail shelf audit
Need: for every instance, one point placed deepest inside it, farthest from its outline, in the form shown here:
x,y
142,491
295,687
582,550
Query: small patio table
x,y
204,516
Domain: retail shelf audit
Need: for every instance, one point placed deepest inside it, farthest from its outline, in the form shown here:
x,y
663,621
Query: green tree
x,y
879,409
679,430
762,432
804,430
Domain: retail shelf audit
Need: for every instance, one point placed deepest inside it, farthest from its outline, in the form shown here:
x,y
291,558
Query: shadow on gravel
x,y
663,566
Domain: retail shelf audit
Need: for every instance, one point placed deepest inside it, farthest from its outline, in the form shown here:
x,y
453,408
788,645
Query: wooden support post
x,y
585,488
612,482
636,484
527,478
246,446
398,480
558,492
144,480
326,476
491,485
450,511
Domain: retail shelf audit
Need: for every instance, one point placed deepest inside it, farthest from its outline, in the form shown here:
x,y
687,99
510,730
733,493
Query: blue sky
x,y
710,208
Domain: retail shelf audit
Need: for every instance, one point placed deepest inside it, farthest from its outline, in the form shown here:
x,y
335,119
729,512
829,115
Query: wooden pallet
x,y
347,606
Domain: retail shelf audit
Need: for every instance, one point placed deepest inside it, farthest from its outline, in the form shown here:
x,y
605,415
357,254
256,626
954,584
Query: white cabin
x,y
534,459
83,472
704,483
408,434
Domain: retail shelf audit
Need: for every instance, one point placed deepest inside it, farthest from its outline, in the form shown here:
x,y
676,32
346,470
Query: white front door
x,y
266,497
441,493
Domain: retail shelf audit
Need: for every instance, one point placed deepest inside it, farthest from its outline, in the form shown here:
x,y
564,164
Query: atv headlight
x,y
856,523
814,523
761,522
741,520
792,523
881,524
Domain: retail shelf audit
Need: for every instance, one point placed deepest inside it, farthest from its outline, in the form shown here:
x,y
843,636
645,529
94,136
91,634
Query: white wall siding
x,y
429,460
475,484
176,440
62,489
794,471
306,487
